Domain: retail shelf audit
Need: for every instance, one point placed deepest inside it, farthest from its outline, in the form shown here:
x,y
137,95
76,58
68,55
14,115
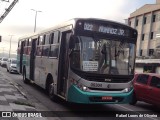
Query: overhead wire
x,y
3,5
6,8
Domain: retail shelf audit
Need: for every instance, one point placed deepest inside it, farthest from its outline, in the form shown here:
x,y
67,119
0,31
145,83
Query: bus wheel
x,y
134,100
25,80
51,92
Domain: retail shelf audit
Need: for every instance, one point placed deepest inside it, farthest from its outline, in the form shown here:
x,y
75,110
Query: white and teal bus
x,y
83,60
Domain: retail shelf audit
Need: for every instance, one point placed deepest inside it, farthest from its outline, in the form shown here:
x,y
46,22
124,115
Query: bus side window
x,y
51,38
56,37
40,40
43,40
47,39
30,42
46,46
45,50
38,49
39,45
54,41
25,47
54,51
28,46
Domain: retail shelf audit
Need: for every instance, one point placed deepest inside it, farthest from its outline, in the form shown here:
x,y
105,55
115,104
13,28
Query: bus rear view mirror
x,y
104,49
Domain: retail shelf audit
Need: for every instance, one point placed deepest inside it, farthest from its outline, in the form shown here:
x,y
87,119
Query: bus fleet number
x,y
96,85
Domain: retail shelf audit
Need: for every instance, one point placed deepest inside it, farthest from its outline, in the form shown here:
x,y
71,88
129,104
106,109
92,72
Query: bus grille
x,y
109,79
112,80
105,77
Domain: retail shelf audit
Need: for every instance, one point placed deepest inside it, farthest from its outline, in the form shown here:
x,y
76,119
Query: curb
x,y
16,86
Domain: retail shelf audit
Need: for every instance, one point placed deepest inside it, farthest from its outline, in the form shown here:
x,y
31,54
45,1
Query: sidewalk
x,y
12,99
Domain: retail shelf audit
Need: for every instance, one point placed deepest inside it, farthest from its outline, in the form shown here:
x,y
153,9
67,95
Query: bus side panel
x,y
43,71
51,67
37,69
27,66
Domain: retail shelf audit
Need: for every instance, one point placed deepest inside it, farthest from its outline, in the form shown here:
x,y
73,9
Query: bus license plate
x,y
107,98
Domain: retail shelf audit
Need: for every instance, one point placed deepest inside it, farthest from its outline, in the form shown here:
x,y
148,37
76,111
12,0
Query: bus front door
x,y
32,59
63,64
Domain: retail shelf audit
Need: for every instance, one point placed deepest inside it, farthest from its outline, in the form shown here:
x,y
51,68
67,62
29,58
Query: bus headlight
x,y
82,87
79,85
127,90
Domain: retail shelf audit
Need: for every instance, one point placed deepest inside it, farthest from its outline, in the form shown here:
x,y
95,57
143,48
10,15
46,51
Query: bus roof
x,y
72,22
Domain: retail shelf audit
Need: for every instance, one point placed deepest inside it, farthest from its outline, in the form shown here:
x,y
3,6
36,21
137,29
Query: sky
x,y
21,20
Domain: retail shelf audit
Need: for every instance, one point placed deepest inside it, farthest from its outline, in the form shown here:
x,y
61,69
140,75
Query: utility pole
x,y
35,22
10,45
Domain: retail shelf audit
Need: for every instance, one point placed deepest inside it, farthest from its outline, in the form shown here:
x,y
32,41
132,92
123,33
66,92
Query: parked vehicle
x,y
4,62
146,88
12,65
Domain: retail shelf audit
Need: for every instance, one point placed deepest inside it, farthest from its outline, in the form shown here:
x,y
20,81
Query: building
x,y
147,22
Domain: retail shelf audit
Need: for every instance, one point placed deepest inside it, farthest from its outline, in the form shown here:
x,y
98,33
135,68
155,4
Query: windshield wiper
x,y
120,49
104,52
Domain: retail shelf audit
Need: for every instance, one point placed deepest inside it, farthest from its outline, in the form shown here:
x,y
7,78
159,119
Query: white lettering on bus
x,y
108,30
113,31
88,26
121,32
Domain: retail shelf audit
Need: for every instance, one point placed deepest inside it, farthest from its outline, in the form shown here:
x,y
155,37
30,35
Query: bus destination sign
x,y
105,29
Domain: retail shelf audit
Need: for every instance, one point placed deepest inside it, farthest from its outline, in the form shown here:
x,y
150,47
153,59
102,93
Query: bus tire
x,y
51,92
25,80
134,100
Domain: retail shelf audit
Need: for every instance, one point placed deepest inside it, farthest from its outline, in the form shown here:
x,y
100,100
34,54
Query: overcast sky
x,y
20,21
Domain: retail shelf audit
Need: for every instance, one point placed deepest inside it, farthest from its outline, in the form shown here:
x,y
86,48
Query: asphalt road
x,y
67,111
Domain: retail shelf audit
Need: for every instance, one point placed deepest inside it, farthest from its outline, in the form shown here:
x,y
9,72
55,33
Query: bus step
x,y
61,97
32,82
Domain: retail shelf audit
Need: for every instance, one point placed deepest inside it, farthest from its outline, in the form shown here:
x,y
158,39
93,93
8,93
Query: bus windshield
x,y
103,56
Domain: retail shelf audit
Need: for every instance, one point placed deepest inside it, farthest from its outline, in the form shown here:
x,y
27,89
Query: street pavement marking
x,y
7,89
2,98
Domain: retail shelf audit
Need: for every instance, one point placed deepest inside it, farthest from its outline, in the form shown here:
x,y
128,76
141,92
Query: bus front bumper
x,y
78,96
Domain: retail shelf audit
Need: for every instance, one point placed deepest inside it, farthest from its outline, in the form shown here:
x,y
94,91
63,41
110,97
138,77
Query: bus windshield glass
x,y
103,56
